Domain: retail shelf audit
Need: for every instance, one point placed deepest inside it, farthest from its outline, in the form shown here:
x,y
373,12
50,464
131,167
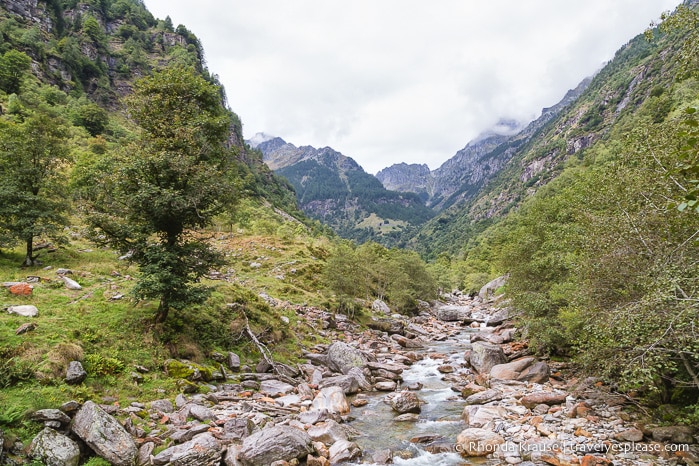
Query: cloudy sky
x,y
390,81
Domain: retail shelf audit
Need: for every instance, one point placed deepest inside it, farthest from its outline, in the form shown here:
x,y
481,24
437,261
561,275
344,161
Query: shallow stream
x,y
440,415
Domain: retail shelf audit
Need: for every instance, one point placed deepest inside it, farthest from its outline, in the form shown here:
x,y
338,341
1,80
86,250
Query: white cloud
x,y
401,80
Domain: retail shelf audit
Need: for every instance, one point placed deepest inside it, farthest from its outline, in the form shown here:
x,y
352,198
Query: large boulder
x,y
453,313
543,398
482,416
485,356
478,442
342,357
344,450
491,287
24,310
348,383
275,387
202,450
276,443
525,369
104,435
327,432
405,402
54,449
332,399
380,307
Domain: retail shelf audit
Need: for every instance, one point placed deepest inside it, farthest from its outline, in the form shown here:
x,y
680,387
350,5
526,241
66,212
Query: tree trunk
x,y
163,310
29,258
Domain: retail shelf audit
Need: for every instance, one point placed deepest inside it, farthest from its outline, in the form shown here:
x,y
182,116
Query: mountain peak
x,y
259,138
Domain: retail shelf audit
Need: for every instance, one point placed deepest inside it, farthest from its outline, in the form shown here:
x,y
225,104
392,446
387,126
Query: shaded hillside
x,y
335,190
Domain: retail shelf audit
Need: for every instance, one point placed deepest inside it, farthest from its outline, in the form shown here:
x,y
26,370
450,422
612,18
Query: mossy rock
x,y
185,386
188,370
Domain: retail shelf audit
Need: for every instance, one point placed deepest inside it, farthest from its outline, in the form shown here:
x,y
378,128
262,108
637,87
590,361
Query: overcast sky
x,y
390,81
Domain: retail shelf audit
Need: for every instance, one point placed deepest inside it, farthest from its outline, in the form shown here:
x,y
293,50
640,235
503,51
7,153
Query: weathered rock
x,y
104,435
384,456
536,373
481,416
485,356
348,383
54,449
408,342
341,357
317,461
629,435
327,432
70,283
202,450
331,399
478,442
238,428
511,370
21,289
233,361
358,374
75,373
43,415
546,398
489,288
188,432
188,370
314,416
385,386
276,387
394,368
344,450
164,406
405,402
470,389
144,454
201,413
24,310
273,444
25,328
380,307
487,396
451,313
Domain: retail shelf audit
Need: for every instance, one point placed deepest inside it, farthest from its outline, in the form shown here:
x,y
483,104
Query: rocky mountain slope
x,y
462,176
334,189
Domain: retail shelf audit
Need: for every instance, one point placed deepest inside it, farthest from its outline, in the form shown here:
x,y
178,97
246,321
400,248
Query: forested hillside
x,y
595,222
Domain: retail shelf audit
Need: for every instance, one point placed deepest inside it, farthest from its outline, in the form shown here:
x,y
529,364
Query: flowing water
x,y
440,415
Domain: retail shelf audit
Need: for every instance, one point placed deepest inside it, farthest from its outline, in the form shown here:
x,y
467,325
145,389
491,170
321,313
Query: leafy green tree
x,y
33,155
13,67
167,184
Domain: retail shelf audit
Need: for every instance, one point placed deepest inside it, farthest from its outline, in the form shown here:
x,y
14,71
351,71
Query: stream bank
x,y
447,387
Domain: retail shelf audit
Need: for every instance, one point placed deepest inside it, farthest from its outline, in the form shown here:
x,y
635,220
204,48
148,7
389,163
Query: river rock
x,y
104,435
484,397
485,356
75,374
54,449
276,387
629,435
511,370
359,375
348,383
24,310
202,450
546,398
344,450
276,443
482,416
453,313
385,386
478,442
163,406
331,399
537,373
384,456
405,402
674,434
341,357
327,432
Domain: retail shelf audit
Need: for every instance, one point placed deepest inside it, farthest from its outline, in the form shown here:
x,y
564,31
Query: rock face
x,y
277,443
489,288
485,356
54,449
343,357
104,435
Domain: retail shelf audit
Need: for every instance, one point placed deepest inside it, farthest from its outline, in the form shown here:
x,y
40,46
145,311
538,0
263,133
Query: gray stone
x,y
144,454
673,434
344,450
314,416
24,310
491,287
342,357
453,313
405,402
276,443
478,442
380,307
231,458
70,406
238,428
331,399
482,416
71,284
484,397
384,456
202,450
275,387
43,415
537,373
359,375
201,413
164,406
189,432
511,370
348,383
385,386
485,356
54,449
104,435
75,373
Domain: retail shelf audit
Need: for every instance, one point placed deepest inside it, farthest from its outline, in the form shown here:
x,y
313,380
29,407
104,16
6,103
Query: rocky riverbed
x,y
449,386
